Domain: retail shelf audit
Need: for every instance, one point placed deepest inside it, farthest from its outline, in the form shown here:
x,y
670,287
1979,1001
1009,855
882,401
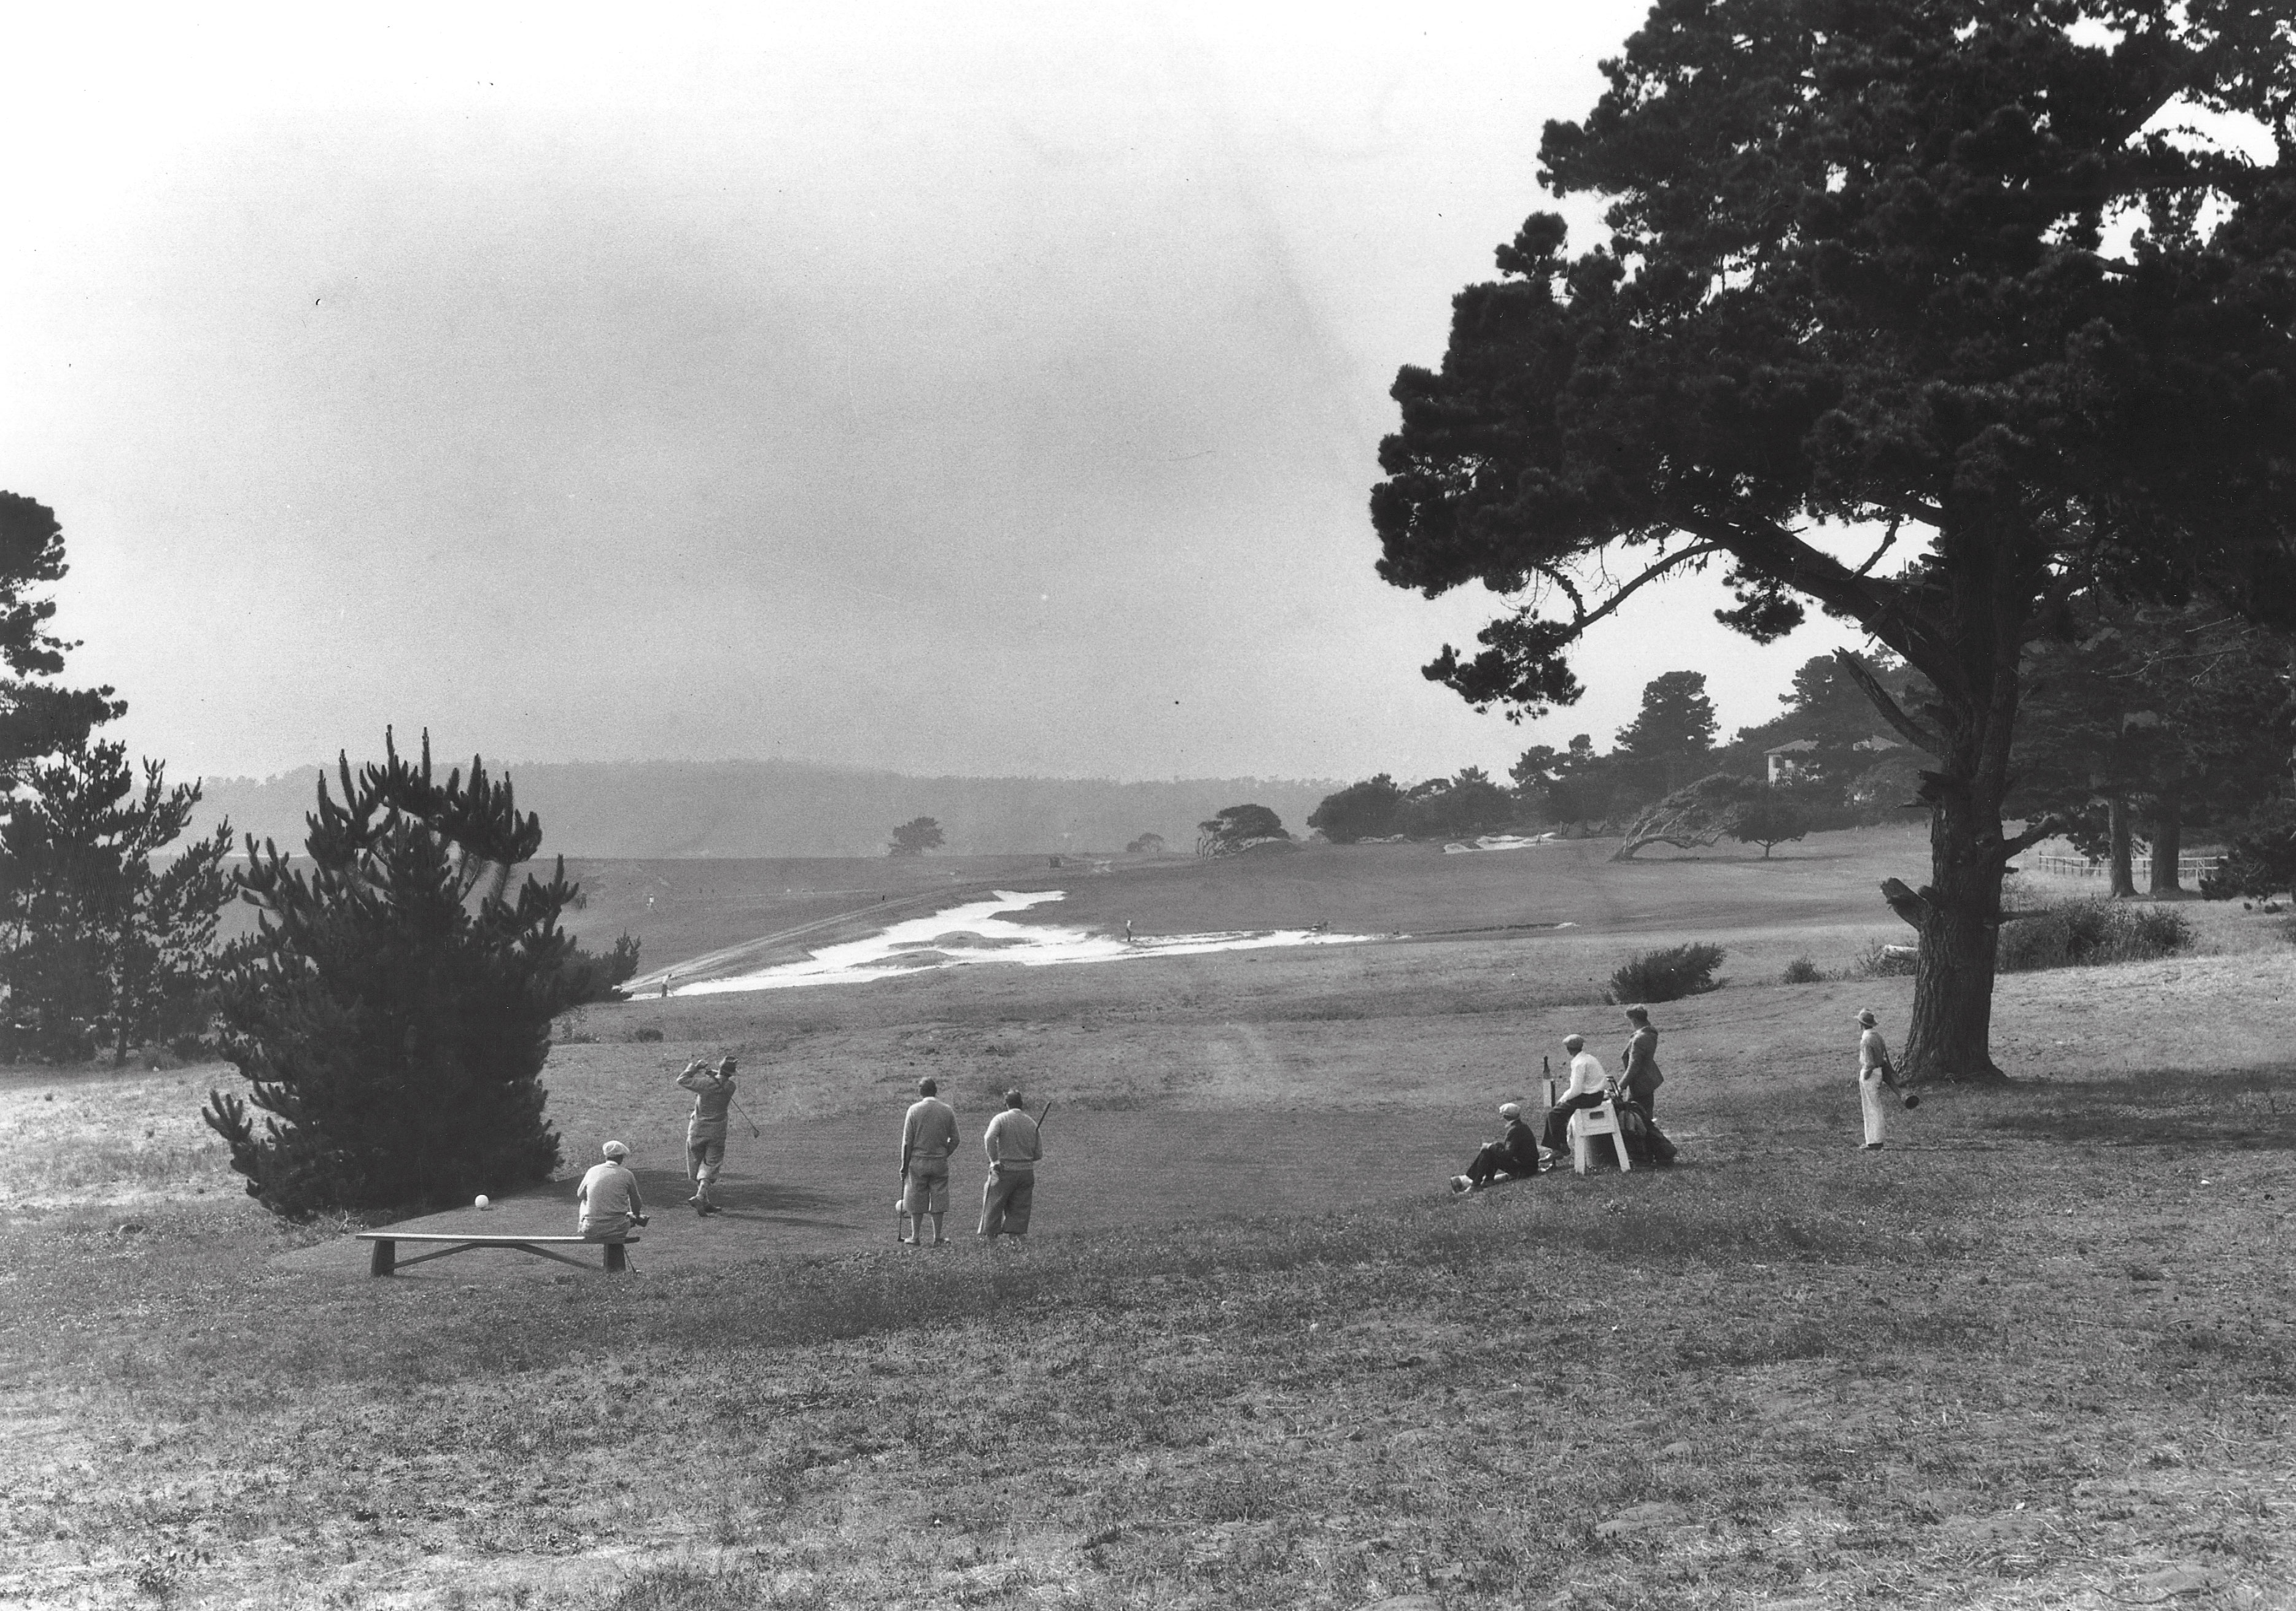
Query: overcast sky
x,y
947,389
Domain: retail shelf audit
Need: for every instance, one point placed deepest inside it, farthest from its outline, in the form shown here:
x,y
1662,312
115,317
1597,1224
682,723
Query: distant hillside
x,y
787,808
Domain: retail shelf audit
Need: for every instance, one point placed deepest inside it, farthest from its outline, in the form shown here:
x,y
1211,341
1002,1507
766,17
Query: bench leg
x,y
1619,1141
617,1261
384,1259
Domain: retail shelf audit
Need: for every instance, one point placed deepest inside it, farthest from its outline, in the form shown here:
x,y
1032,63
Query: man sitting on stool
x,y
1589,1087
1514,1154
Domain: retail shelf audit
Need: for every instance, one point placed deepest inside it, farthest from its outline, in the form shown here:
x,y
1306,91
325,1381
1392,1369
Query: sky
x,y
983,389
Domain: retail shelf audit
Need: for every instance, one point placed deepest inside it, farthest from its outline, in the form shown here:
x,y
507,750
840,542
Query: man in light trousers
x,y
705,1131
1014,1147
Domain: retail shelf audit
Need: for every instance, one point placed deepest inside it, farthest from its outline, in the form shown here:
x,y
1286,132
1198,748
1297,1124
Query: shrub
x,y
1667,974
2088,933
2260,862
647,1033
1801,971
1880,961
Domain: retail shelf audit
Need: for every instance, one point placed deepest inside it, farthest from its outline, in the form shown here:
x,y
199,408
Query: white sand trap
x,y
964,935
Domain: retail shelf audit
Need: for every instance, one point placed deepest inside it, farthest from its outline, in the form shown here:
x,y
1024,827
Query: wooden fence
x,y
2190,870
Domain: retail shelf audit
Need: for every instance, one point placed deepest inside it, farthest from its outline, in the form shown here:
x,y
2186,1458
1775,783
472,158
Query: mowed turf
x,y
682,910
2038,1353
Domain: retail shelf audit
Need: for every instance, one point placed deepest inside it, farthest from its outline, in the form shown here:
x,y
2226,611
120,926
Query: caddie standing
x,y
1014,1147
928,1138
705,1131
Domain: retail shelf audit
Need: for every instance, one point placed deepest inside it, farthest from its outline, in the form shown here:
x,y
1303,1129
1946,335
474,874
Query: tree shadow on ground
x,y
2247,1110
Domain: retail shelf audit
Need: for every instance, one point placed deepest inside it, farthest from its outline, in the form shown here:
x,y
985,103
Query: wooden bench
x,y
384,1260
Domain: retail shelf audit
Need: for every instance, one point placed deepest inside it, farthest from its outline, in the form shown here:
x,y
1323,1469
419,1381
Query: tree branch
x,y
1920,737
2033,835
1585,620
1888,538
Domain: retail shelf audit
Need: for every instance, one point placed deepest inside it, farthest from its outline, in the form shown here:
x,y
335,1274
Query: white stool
x,y
1588,1123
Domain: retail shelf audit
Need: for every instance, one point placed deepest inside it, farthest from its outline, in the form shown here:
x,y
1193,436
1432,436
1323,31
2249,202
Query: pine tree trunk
x,y
1950,1038
2118,856
2168,843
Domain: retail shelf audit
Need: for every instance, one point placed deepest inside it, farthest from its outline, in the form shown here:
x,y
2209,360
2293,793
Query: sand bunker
x,y
974,933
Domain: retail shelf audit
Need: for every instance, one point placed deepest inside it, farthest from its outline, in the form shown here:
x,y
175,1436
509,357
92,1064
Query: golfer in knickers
x,y
928,1138
705,1131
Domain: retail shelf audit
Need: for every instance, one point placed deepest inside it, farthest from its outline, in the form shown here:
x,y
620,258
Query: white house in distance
x,y
1786,760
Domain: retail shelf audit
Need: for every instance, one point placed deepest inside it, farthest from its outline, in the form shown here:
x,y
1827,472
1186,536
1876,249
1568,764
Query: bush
x,y
1669,975
648,1032
1801,971
2260,862
2089,933
1880,961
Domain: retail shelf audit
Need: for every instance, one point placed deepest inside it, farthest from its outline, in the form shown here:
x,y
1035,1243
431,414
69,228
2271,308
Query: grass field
x,y
2041,1352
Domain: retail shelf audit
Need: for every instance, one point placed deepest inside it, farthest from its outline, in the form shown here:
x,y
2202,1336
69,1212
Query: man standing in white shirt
x,y
928,1138
1589,1087
1014,1147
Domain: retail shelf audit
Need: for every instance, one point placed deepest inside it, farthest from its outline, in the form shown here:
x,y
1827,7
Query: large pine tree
x,y
392,1014
1954,270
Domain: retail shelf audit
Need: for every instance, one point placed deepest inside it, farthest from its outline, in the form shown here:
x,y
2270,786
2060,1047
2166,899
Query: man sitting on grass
x,y
608,1197
1589,1087
1513,1156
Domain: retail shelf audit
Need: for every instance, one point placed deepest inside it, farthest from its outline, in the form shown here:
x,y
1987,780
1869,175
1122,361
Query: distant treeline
x,y
790,808
1842,771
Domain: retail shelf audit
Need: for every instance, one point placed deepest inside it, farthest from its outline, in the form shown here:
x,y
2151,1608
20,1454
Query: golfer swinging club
x,y
705,1131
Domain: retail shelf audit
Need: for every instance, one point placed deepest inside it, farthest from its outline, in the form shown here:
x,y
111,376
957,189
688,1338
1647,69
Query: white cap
x,y
615,1149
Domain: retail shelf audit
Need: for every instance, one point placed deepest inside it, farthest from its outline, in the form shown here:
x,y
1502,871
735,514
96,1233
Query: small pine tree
x,y
1770,818
98,942
393,1013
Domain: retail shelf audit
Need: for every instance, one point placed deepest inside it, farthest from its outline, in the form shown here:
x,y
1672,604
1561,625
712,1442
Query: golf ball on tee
x,y
482,1202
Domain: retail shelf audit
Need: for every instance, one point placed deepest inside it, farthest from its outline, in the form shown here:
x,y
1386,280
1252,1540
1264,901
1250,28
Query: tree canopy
x,y
916,837
36,718
1234,828
1950,272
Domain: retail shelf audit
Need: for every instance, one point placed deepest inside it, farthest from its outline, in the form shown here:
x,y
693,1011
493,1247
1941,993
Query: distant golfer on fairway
x,y
608,1197
928,1138
1014,1147
705,1131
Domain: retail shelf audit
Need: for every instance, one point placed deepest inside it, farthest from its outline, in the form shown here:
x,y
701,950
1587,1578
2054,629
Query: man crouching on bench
x,y
608,1197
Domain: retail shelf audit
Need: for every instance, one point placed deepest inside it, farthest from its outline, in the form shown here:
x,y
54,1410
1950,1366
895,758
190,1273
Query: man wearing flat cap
x,y
608,1197
705,1131
1515,1154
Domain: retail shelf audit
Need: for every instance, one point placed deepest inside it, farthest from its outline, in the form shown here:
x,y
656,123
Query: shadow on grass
x,y
2246,1111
